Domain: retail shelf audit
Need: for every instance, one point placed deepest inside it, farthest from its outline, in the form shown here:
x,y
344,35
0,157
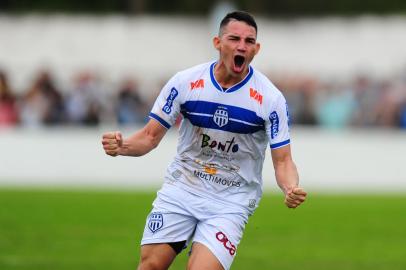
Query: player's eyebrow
x,y
234,36
247,39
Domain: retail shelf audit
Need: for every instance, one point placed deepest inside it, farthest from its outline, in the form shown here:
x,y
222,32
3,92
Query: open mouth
x,y
239,61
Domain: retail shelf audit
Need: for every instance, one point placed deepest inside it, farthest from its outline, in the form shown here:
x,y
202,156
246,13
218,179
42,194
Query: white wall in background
x,y
351,161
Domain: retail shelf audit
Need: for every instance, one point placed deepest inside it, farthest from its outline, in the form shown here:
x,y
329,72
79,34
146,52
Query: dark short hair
x,y
239,16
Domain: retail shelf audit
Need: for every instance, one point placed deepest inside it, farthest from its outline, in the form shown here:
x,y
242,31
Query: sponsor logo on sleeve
x,y
155,221
167,108
287,113
255,95
222,238
274,118
197,84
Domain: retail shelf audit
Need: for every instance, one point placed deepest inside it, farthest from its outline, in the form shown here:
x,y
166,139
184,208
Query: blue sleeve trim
x,y
277,145
160,120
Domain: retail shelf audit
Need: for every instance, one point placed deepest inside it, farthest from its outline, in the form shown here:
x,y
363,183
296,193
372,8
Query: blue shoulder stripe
x,y
222,117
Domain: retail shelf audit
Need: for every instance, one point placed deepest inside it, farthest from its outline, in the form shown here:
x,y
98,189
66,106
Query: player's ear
x,y
216,42
257,48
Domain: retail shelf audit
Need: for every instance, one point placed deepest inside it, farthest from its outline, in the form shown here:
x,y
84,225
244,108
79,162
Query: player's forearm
x,y
138,144
287,175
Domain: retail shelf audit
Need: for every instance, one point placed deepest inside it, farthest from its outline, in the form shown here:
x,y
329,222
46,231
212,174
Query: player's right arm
x,y
140,143
162,116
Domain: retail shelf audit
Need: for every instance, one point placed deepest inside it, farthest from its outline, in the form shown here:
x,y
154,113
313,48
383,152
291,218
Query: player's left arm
x,y
287,176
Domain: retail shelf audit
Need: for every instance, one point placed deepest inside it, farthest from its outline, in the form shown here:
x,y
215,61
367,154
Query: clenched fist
x,y
295,197
112,143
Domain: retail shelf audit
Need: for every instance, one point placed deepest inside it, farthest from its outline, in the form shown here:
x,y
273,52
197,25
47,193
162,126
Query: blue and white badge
x,y
155,222
220,117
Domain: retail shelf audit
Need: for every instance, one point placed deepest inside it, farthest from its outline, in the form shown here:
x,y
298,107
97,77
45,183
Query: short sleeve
x,y
167,105
277,123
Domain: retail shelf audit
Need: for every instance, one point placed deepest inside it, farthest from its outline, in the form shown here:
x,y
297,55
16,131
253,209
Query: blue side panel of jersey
x,y
222,117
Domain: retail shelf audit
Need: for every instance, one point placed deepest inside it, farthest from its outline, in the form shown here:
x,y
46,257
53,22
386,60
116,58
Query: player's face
x,y
237,45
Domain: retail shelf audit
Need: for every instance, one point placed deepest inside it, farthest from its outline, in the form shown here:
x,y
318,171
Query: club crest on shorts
x,y
155,221
220,117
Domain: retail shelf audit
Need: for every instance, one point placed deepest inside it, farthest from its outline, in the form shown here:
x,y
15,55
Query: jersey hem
x,y
235,207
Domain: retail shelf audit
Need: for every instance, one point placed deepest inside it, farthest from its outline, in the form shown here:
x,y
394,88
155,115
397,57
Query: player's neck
x,y
225,78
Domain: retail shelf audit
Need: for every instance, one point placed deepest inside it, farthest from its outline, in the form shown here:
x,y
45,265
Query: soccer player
x,y
230,113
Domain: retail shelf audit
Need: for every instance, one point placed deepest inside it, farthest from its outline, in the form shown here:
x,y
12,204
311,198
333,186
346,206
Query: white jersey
x,y
223,134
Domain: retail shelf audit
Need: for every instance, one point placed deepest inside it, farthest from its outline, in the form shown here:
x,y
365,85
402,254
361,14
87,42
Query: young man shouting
x,y
231,113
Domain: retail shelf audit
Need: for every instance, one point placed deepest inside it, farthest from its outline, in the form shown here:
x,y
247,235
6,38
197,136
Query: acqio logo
x,y
167,108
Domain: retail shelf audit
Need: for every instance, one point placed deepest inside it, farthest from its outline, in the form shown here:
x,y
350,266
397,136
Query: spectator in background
x,y
358,102
43,104
307,89
392,94
366,100
82,105
9,115
300,95
131,109
402,115
335,106
402,107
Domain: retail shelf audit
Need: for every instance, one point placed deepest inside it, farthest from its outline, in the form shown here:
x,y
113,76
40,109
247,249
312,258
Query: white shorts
x,y
192,218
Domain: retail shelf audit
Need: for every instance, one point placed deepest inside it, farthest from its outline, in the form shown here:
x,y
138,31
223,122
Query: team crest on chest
x,y
220,116
155,222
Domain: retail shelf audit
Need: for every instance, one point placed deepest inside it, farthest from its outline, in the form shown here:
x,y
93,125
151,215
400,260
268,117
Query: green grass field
x,y
42,229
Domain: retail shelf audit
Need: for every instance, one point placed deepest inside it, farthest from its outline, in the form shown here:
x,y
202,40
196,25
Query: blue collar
x,y
234,87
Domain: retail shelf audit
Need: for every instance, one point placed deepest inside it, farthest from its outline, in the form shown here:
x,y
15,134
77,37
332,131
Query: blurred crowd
x,y
358,102
85,103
